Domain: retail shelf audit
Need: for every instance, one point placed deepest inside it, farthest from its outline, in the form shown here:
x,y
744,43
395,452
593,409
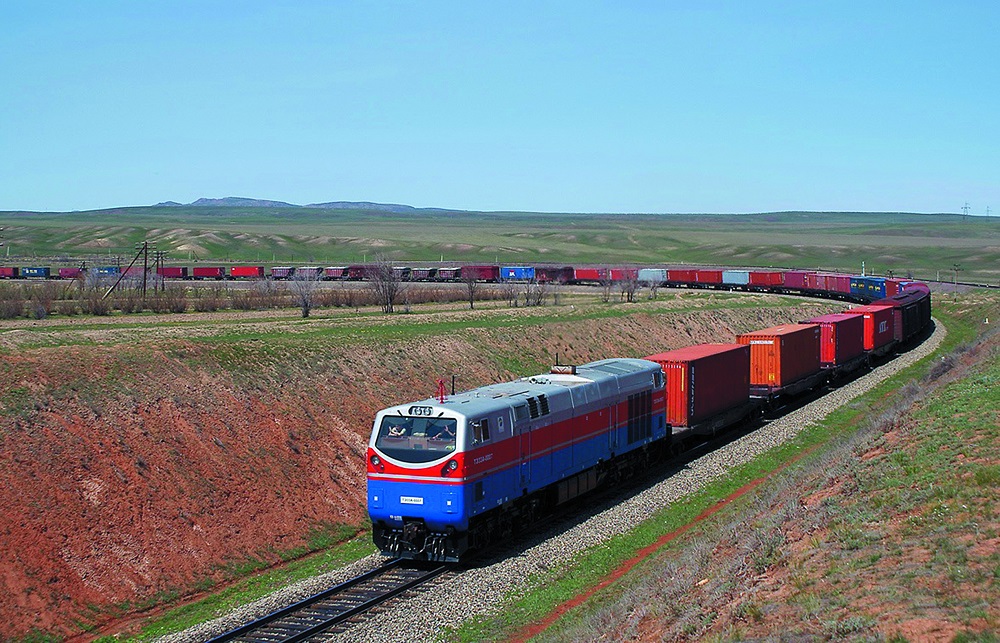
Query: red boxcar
x,y
70,273
782,355
842,338
879,324
549,274
839,283
796,279
708,276
682,276
766,278
9,272
815,281
481,273
208,272
911,312
704,380
247,272
173,272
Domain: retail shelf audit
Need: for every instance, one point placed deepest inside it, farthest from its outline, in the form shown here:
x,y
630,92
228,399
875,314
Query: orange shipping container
x,y
842,338
782,355
704,380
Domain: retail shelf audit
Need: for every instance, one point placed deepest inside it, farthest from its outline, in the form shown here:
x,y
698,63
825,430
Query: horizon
x,y
530,107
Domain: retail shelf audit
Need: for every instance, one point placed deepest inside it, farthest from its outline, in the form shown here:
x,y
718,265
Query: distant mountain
x,y
363,205
242,202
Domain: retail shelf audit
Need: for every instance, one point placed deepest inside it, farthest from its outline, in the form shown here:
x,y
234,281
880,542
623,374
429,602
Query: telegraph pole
x,y
965,211
158,257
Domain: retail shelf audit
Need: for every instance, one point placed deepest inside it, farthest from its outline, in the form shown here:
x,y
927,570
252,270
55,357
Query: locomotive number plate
x,y
411,500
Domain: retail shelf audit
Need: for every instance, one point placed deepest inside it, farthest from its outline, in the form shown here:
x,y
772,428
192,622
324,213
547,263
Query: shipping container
x,y
879,329
911,313
892,287
768,278
173,272
208,272
782,355
590,275
708,276
553,274
9,272
480,273
70,273
682,276
36,272
842,338
449,274
335,272
517,273
839,284
400,273
282,272
109,271
133,271
704,380
796,279
736,277
624,274
869,287
652,275
247,272
358,271
816,281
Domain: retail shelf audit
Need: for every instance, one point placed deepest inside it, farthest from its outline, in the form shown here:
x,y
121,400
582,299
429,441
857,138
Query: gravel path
x,y
479,591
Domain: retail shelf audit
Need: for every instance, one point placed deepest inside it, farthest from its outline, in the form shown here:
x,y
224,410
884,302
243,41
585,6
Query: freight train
x,y
450,475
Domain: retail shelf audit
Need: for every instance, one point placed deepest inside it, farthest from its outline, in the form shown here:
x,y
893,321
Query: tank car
x,y
452,474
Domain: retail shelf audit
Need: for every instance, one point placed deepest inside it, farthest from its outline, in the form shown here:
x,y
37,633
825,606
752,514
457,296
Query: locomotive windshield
x,y
416,439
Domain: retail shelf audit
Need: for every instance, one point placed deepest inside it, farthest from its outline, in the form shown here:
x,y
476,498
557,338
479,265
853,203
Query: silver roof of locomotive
x,y
603,379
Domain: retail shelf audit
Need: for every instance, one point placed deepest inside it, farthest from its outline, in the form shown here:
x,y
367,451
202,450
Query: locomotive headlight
x,y
376,460
453,465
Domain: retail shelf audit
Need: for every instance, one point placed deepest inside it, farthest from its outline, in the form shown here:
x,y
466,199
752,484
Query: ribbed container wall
x,y
842,338
736,277
704,380
782,355
879,324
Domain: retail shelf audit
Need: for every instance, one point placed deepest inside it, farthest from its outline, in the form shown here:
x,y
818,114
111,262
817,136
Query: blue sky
x,y
539,106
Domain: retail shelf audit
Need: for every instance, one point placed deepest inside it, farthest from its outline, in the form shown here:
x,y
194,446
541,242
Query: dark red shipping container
x,y
173,272
704,380
879,324
892,287
782,355
842,338
70,273
208,272
252,272
422,274
766,278
708,276
911,312
335,272
481,273
9,272
796,278
449,274
839,283
682,276
134,271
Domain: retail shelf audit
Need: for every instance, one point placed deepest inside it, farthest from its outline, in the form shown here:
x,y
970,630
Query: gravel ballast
x,y
480,591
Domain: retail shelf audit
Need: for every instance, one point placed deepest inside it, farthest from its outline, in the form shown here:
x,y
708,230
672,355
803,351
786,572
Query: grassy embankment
x,y
925,245
937,486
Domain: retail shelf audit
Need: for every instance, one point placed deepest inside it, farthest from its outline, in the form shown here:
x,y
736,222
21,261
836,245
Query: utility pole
x,y
158,259
987,210
965,211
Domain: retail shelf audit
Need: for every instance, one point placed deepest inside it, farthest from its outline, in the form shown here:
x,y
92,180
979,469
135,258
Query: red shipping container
x,y
682,276
481,273
879,324
708,276
70,273
8,272
796,278
704,380
842,337
624,274
766,278
173,272
892,287
252,272
590,274
782,355
449,274
208,272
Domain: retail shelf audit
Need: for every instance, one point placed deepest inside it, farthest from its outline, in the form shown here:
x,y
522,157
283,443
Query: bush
x,y
11,301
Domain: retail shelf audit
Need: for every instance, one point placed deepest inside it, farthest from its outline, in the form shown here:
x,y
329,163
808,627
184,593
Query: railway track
x,y
310,619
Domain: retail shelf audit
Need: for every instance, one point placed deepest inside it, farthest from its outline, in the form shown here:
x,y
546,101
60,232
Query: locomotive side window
x,y
480,431
416,439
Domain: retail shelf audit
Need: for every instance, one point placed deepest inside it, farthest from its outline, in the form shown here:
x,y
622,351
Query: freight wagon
x,y
309,272
480,273
841,341
707,387
784,360
652,276
208,272
172,272
282,272
552,274
246,272
36,272
335,272
517,273
10,272
879,327
70,273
